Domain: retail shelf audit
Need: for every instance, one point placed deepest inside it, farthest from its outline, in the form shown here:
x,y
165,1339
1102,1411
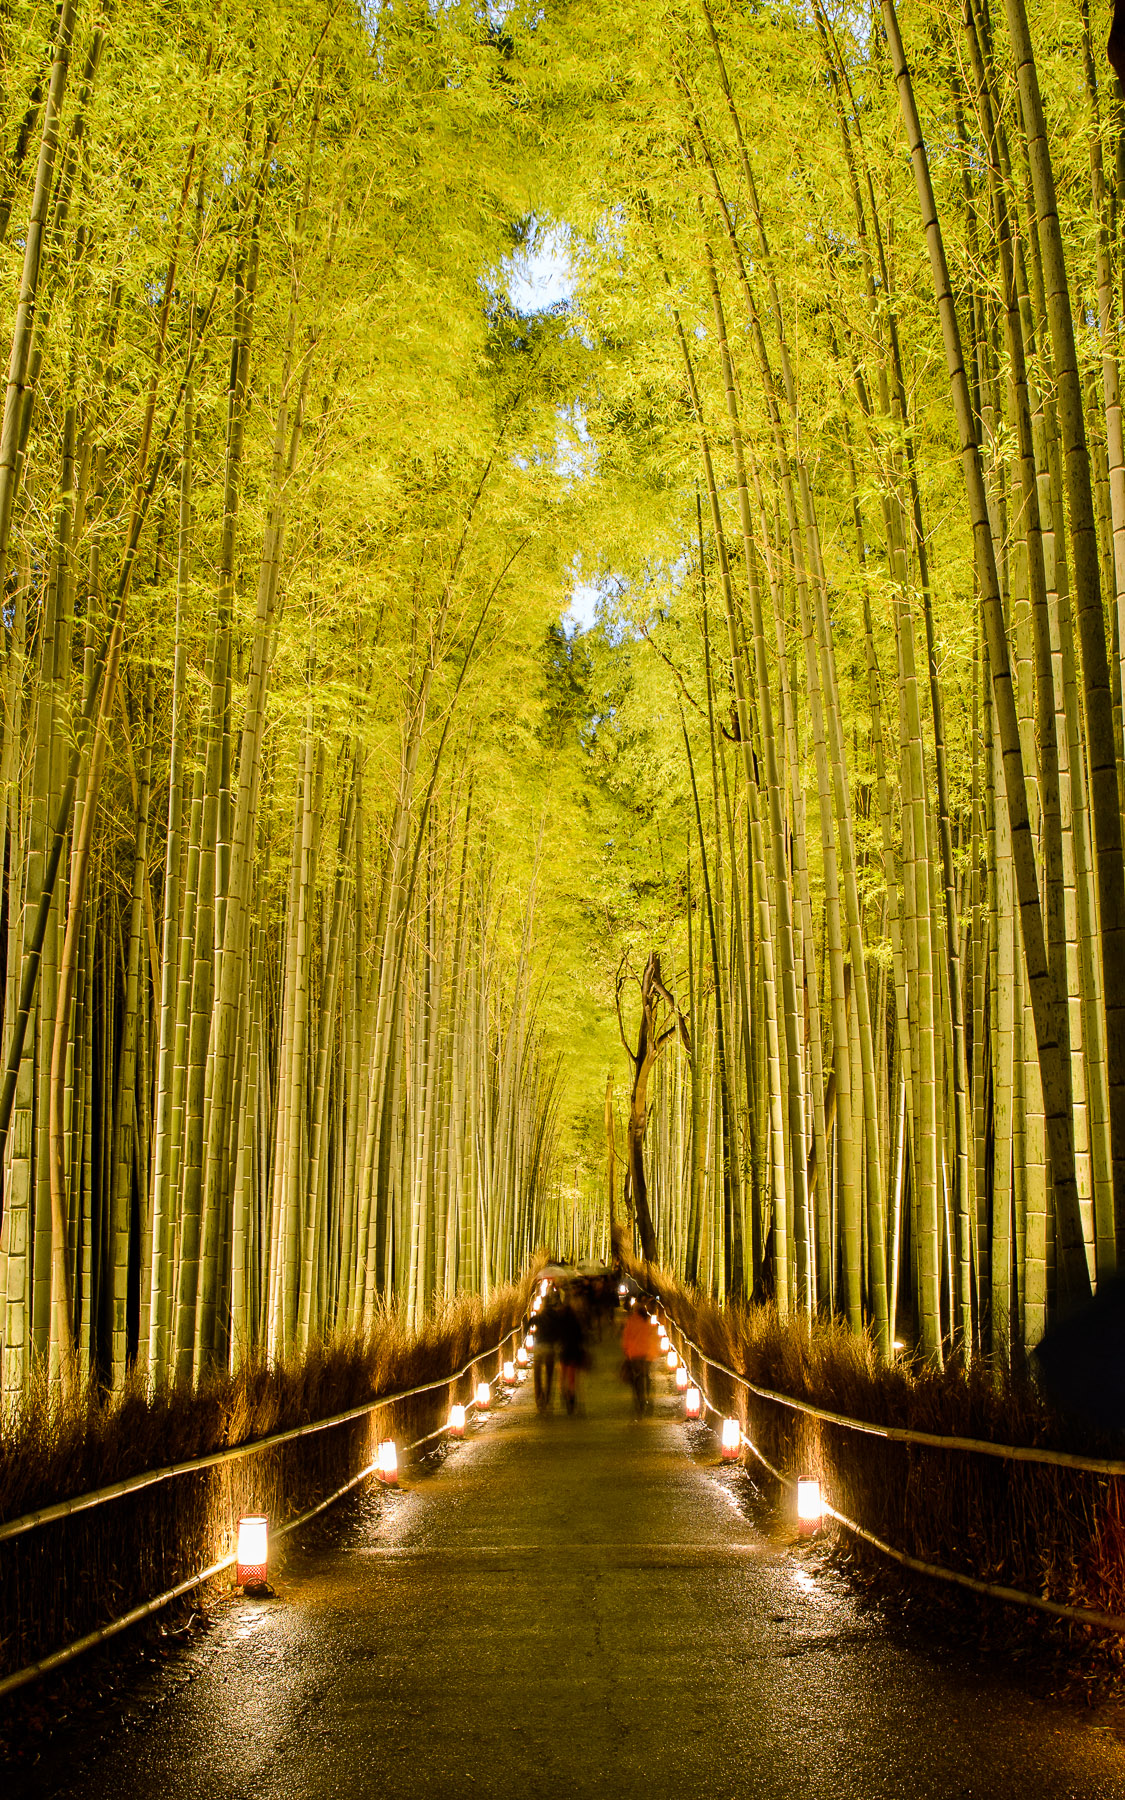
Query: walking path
x,y
575,1607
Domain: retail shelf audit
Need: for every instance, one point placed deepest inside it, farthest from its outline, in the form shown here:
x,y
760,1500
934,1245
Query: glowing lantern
x,y
509,1374
665,1340
387,1466
731,1439
522,1357
537,1305
529,1341
681,1378
544,1286
693,1403
810,1505
457,1421
672,1359
483,1396
252,1559
622,1290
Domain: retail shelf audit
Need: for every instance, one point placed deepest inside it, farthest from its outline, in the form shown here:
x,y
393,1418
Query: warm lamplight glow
x,y
522,1356
622,1289
665,1340
544,1287
731,1439
509,1374
672,1359
537,1305
483,1396
681,1378
252,1559
457,1421
693,1403
810,1506
529,1341
388,1462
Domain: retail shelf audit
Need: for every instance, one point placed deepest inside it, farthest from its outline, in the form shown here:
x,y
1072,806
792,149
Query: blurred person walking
x,y
572,1352
546,1350
640,1344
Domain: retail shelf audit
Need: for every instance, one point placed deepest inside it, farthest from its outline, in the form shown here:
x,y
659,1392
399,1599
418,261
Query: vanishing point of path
x,y
574,1607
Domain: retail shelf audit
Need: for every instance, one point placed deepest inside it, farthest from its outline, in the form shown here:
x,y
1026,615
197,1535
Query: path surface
x,y
574,1607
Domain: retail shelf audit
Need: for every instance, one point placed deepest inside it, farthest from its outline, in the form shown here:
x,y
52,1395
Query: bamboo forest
x,y
562,665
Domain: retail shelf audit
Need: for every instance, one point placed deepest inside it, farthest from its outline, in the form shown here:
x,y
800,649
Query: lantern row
x,y
810,1501
252,1554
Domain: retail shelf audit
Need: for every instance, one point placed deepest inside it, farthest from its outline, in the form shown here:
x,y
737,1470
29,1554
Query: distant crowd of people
x,y
569,1313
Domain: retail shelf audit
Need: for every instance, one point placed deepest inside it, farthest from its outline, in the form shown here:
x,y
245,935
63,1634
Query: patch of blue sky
x,y
541,274
592,603
582,613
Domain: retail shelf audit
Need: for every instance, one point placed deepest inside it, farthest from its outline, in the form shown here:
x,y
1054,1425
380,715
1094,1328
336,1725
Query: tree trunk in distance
x,y
652,1037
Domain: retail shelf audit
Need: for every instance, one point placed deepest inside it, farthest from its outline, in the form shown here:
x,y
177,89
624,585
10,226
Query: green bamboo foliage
x,y
276,1055
290,984
938,813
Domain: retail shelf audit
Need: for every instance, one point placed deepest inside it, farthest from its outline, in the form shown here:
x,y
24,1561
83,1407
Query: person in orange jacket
x,y
640,1343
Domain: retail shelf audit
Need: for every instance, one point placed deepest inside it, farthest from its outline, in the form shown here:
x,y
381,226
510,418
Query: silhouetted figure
x,y
546,1349
605,1289
640,1342
571,1352
1082,1359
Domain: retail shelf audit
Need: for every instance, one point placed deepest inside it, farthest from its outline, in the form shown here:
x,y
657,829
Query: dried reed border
x,y
904,1434
103,1553
1085,1615
59,1658
1012,1534
132,1484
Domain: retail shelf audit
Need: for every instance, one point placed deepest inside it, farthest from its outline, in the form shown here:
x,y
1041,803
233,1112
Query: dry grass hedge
x,y
1054,1532
67,1578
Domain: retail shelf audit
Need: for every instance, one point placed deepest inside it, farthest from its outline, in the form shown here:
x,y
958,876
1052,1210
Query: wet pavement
x,y
570,1607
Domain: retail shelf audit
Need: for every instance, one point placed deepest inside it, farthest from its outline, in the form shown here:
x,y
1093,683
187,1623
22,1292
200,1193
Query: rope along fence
x,y
1115,1469
275,1441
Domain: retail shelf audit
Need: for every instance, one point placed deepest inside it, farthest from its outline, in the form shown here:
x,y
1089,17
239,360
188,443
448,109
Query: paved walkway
x,y
575,1607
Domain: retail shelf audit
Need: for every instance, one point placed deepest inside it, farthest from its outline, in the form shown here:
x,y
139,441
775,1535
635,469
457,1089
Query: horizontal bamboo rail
x,y
1058,1609
132,1484
904,1434
57,1658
